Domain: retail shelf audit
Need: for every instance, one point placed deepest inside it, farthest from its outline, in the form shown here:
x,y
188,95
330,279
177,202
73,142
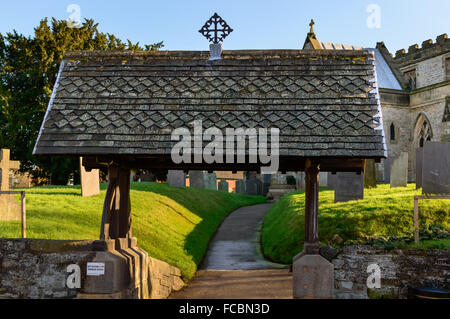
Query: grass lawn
x,y
384,214
171,224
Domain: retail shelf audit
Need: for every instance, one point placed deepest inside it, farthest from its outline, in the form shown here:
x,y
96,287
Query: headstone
x,y
9,208
210,181
399,171
300,181
370,174
332,180
266,184
279,186
147,177
223,186
176,178
251,188
90,181
313,277
436,168
379,173
196,179
259,187
240,186
387,169
349,186
419,167
323,179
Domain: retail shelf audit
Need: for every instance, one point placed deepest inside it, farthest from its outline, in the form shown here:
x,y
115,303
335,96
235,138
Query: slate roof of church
x,y
325,102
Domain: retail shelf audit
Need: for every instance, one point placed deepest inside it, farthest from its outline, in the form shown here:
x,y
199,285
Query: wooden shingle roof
x,y
325,103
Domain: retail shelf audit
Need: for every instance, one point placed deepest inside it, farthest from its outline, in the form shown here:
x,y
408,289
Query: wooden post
x,y
116,217
311,244
124,205
23,214
416,220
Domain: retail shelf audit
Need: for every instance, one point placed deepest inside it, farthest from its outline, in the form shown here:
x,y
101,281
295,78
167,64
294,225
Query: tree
x,y
28,69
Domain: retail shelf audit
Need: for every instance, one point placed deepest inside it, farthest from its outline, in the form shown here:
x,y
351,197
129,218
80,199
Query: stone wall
x,y
431,71
36,268
399,269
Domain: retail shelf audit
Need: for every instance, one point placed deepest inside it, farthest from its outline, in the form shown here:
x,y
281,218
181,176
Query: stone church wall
x,y
430,102
37,268
431,71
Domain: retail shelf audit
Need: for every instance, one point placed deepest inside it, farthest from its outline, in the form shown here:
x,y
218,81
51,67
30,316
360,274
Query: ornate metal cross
x,y
220,29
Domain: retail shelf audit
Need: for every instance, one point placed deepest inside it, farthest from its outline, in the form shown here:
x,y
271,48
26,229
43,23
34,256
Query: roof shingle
x,y
325,103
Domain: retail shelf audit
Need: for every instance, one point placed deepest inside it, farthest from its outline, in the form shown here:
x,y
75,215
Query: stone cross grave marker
x,y
5,166
9,208
436,168
399,171
90,181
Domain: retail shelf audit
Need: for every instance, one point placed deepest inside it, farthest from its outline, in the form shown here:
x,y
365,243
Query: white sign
x,y
95,269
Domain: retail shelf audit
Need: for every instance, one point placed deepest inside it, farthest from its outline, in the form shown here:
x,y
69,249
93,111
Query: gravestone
x,y
210,181
250,187
265,184
176,178
300,181
399,171
223,186
90,181
323,179
196,179
387,169
259,187
370,174
240,186
436,168
279,186
147,176
419,167
9,208
349,186
332,181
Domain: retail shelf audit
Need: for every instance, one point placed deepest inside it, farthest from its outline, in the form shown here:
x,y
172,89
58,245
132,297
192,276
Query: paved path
x,y
234,266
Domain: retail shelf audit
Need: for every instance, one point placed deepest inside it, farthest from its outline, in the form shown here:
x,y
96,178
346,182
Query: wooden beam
x,y
286,163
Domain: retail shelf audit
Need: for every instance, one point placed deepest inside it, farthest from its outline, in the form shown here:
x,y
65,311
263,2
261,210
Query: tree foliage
x,y
28,69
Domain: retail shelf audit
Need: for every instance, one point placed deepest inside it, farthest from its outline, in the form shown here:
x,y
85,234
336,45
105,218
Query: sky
x,y
257,24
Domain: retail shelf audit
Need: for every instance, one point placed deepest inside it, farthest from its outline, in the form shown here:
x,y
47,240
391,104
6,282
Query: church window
x,y
447,68
412,79
424,133
392,132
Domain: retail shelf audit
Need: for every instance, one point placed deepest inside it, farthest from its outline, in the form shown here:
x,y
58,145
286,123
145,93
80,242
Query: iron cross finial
x,y
220,29
311,25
